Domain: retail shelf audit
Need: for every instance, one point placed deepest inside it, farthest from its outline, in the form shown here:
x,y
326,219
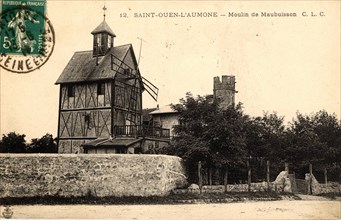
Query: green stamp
x,y
27,37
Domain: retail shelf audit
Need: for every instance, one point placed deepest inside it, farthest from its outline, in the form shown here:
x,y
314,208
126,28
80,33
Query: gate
x,y
301,186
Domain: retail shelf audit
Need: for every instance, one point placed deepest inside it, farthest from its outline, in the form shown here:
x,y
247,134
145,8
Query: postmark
x,y
27,37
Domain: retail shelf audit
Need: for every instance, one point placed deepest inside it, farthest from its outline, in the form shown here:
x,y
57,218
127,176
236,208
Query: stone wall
x,y
319,188
326,188
283,182
255,187
28,175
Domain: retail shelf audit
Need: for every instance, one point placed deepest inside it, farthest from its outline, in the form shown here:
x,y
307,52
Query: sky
x,y
281,64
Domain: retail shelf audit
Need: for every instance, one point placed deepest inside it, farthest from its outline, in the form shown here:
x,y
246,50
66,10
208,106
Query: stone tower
x,y
224,90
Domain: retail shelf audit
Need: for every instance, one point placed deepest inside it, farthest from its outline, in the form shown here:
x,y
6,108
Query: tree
x,y
209,134
264,142
13,143
189,142
45,144
314,139
227,137
195,114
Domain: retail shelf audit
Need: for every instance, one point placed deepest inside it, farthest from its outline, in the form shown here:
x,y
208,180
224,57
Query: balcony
x,y
141,131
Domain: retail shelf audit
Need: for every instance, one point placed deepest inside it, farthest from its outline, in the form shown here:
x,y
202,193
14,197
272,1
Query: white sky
x,y
281,64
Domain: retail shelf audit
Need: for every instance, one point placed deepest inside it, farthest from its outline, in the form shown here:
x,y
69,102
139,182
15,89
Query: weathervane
x,y
104,9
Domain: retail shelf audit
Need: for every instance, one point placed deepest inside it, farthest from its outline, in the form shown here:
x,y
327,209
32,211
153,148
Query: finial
x,y
104,9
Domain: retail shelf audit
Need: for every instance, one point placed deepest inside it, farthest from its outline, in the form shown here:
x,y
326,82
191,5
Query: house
x,y
165,117
100,101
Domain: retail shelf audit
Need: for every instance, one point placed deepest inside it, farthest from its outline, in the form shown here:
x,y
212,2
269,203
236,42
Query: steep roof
x,y
82,66
103,27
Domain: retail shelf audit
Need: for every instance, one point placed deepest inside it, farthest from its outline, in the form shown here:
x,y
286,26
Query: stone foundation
x,y
29,175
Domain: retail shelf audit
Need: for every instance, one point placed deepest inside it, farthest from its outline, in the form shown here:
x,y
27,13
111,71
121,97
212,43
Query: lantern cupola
x,y
103,38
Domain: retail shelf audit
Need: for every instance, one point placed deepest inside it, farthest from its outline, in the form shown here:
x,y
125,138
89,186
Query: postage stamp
x,y
27,37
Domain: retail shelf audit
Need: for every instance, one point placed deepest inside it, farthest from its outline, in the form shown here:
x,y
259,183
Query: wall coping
x,y
9,155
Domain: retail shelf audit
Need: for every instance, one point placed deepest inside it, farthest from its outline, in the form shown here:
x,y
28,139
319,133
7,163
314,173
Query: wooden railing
x,y
141,131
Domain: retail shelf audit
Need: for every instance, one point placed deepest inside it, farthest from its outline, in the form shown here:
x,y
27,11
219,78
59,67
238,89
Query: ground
x,y
309,208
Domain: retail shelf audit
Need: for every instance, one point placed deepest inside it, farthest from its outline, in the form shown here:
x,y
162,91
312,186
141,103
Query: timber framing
x,y
101,94
84,109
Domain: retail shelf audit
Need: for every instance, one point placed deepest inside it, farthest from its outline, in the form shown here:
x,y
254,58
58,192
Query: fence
x,y
265,172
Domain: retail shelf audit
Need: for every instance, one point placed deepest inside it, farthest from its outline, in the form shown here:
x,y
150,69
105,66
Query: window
x,y
70,91
127,72
109,41
99,39
100,88
87,120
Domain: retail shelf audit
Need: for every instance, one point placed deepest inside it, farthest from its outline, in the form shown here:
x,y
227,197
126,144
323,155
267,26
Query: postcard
x,y
283,55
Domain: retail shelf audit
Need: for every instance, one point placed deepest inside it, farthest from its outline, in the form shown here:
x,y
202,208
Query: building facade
x,y
165,117
100,101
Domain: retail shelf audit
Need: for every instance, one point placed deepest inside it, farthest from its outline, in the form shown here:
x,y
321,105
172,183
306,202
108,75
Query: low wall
x,y
326,188
319,188
255,187
28,175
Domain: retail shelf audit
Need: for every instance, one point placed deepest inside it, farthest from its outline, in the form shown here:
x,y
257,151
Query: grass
x,y
134,200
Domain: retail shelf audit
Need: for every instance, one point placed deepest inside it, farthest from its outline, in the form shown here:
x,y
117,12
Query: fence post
x,y
310,191
325,176
225,180
200,176
339,180
248,176
268,174
287,167
210,176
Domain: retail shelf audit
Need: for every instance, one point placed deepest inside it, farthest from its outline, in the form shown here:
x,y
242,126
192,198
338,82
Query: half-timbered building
x,y
100,102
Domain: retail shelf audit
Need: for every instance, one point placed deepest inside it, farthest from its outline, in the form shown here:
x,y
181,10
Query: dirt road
x,y
296,209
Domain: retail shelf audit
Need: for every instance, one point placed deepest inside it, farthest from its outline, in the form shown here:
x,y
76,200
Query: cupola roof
x,y
103,27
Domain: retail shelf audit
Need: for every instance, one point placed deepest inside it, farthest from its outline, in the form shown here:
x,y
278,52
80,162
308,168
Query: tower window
x,y
100,88
109,41
70,91
99,39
